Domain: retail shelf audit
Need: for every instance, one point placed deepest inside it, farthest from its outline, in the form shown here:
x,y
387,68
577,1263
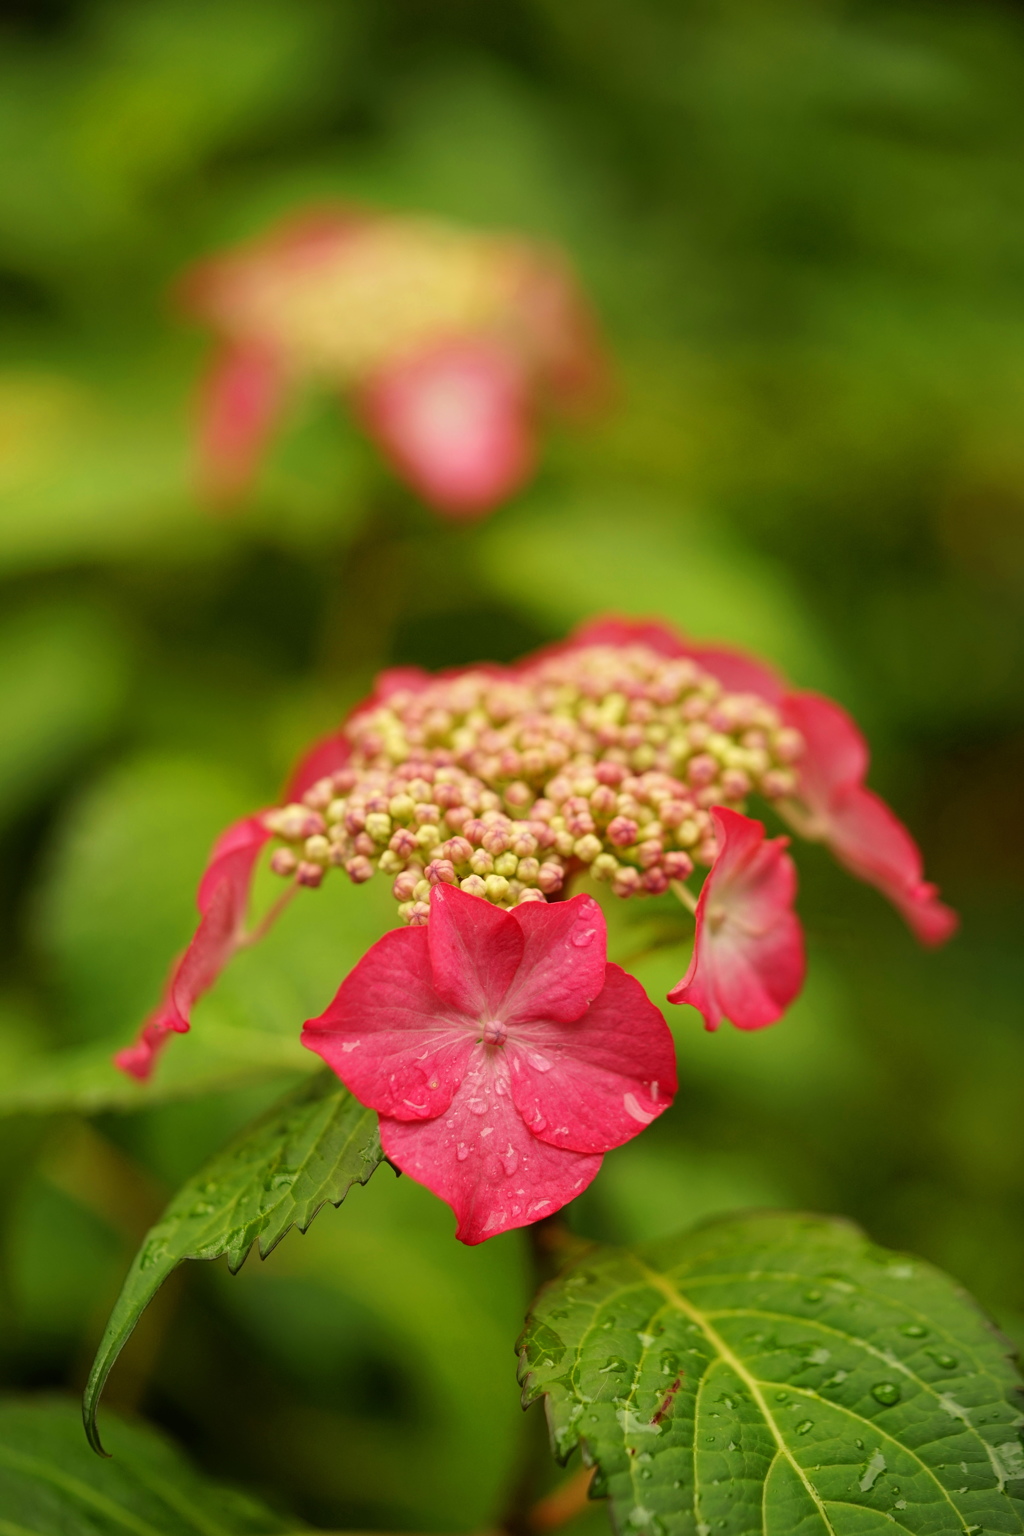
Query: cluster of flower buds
x,y
447,341
507,784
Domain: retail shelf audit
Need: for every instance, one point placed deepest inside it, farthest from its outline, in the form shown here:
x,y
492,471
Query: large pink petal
x,y
454,423
240,404
836,754
563,965
748,959
388,1035
480,1158
223,901
475,951
594,1083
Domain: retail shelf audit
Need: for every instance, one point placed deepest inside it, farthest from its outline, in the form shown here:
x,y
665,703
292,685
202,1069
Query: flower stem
x,y
685,895
262,928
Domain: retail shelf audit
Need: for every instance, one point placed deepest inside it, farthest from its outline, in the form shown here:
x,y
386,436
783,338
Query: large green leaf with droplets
x,y
779,1375
52,1485
278,1173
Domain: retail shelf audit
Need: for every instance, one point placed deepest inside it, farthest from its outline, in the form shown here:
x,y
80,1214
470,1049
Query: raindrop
x,y
669,1364
943,1361
782,1397
581,937
915,1331
462,1151
804,1426
885,1392
812,1296
538,1060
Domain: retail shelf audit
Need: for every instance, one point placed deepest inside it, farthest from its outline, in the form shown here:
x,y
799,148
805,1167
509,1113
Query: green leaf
x,y
778,1374
309,1149
51,1485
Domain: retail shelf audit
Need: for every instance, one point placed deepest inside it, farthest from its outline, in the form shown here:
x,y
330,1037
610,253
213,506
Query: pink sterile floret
x,y
502,1053
858,826
222,901
748,952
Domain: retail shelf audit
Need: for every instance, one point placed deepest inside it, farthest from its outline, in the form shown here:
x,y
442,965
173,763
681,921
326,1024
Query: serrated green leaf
x,y
51,1484
278,1173
779,1374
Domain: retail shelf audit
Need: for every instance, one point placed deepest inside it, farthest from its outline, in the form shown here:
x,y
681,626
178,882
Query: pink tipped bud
x,y
457,816
345,781
441,872
655,881
528,870
672,813
419,912
447,796
496,840
706,852
480,862
426,814
677,865
611,773
355,820
320,795
473,885
777,782
458,849
603,801
587,848
735,784
524,844
359,870
283,862
364,844
649,853
623,831
529,895
703,769
403,842
294,822
550,878
317,849
518,794
405,884
627,881
309,874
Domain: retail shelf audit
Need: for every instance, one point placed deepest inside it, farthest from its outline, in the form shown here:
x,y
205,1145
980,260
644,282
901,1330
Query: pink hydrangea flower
x,y
832,804
448,343
626,754
502,1052
748,953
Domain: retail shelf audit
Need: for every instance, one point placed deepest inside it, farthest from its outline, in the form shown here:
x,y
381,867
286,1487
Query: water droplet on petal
x,y
510,1160
581,937
478,1106
538,1060
462,1151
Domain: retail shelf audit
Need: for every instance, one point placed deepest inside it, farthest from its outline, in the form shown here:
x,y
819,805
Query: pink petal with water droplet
x,y
503,1180
620,1048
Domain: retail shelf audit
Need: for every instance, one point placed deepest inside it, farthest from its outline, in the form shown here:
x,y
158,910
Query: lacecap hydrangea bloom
x,y
448,344
502,1052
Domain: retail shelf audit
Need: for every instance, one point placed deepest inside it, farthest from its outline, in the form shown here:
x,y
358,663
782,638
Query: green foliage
x,y
307,1151
781,1373
52,1485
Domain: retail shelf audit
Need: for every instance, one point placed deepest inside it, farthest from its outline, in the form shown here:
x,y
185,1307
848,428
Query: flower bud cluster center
x,y
508,782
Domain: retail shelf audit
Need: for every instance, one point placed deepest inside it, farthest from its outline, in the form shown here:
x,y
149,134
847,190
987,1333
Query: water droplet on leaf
x,y
885,1392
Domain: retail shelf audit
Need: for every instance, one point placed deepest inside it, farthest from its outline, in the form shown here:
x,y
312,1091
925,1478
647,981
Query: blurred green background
x,y
802,226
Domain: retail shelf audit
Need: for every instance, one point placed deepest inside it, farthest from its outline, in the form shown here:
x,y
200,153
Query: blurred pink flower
x,y
502,1053
748,953
449,343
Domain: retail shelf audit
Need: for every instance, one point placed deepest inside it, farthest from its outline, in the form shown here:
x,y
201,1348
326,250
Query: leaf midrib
x,y
676,1299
